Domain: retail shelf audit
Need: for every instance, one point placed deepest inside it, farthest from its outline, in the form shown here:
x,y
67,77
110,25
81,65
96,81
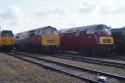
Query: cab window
x,y
7,34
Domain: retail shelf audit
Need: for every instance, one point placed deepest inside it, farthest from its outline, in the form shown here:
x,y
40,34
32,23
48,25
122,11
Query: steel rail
x,y
78,68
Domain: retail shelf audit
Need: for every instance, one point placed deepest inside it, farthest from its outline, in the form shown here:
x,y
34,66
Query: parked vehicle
x,y
119,39
7,40
45,39
88,40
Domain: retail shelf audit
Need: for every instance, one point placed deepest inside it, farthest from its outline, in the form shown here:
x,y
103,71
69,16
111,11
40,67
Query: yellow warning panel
x,y
0,41
50,39
106,40
7,41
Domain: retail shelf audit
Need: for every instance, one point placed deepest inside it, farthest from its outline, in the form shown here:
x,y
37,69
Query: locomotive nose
x,y
106,40
50,40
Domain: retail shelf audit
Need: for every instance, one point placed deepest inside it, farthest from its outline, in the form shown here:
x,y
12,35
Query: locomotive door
x,y
90,39
83,39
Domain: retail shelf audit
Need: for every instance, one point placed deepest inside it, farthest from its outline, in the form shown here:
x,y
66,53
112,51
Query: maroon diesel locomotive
x,y
88,40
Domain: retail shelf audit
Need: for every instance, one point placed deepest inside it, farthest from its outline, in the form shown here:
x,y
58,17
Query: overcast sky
x,y
22,15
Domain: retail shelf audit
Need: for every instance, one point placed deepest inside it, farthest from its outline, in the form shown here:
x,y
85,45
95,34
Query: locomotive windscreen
x,y
7,34
103,29
50,31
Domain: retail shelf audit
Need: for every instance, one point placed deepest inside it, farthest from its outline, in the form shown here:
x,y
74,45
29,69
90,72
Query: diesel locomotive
x,y
7,40
45,39
119,39
87,40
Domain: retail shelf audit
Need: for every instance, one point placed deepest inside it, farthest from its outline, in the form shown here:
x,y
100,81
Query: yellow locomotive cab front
x,y
50,39
7,41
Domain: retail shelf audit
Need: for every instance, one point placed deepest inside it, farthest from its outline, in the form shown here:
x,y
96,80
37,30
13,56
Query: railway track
x,y
120,57
93,60
114,67
82,73
102,61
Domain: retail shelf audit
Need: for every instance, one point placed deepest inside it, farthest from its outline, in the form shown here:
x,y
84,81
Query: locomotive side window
x,y
82,32
31,33
17,37
90,31
40,32
37,32
77,34
22,36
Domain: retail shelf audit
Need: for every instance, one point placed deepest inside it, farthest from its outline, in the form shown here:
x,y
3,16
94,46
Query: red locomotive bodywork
x,y
86,39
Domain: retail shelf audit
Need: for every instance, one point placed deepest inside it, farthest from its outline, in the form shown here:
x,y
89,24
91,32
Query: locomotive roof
x,y
116,29
5,30
42,28
33,30
123,27
82,28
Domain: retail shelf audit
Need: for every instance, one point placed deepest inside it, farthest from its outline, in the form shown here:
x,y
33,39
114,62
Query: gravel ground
x,y
109,69
13,70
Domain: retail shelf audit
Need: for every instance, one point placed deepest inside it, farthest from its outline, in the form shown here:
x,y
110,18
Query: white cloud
x,y
87,13
13,18
12,12
87,7
112,10
45,11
